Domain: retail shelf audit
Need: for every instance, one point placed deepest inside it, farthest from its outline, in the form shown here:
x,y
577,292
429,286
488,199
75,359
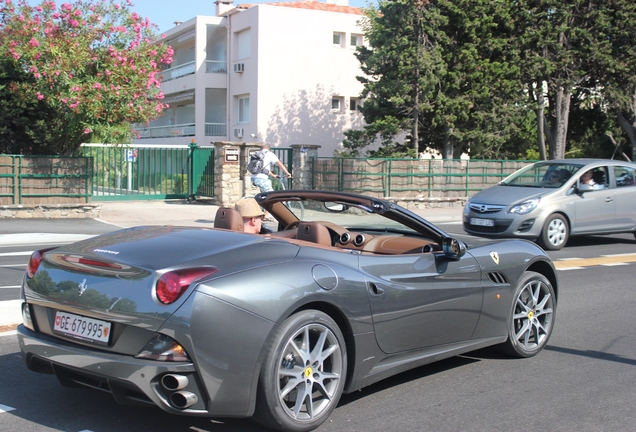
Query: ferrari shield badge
x,y
495,257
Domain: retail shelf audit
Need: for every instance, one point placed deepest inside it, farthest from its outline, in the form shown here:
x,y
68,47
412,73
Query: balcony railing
x,y
215,129
179,71
178,130
214,66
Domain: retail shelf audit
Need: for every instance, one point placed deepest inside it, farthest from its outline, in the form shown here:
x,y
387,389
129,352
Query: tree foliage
x,y
83,71
441,71
498,79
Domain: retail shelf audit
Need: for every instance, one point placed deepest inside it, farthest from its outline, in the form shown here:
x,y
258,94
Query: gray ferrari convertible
x,y
276,326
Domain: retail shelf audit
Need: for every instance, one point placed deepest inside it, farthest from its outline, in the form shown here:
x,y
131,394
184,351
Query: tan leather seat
x,y
228,218
314,232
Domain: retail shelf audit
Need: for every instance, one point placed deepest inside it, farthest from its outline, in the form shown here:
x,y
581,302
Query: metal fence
x,y
285,155
145,172
141,172
410,178
45,180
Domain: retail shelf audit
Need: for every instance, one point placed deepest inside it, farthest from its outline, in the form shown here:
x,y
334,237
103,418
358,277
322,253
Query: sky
x,y
164,13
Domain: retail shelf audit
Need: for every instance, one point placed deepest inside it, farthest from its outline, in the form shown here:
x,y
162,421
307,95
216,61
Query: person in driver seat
x,y
252,215
588,179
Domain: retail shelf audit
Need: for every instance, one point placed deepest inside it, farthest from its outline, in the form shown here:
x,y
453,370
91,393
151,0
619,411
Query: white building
x,y
282,71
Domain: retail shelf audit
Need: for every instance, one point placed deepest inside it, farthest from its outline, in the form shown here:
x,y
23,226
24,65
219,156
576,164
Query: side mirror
x,y
453,248
335,207
585,187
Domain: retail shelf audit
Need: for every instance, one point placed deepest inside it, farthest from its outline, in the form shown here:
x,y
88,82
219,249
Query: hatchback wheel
x,y
555,234
532,316
303,374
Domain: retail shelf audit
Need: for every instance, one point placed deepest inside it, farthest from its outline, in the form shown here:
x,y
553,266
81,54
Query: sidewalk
x,y
177,212
201,213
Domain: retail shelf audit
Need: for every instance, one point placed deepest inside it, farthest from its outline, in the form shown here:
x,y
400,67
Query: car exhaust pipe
x,y
174,382
183,399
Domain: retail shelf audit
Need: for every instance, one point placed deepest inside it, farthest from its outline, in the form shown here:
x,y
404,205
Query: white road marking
x,y
5,408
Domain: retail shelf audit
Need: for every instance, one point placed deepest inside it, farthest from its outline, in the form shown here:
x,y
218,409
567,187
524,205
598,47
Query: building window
x,y
336,104
243,44
243,109
353,104
356,40
338,39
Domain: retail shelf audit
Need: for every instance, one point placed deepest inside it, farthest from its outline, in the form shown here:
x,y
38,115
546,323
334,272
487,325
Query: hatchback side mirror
x,y
585,187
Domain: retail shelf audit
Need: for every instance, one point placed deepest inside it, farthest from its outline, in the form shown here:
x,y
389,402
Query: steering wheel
x,y
292,225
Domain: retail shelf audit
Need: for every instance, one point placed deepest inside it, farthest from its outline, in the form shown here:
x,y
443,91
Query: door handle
x,y
376,289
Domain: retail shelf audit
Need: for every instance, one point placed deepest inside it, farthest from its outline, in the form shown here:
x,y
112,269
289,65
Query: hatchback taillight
x,y
34,261
171,285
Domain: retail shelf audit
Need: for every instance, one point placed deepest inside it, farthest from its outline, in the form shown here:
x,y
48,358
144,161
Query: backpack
x,y
255,165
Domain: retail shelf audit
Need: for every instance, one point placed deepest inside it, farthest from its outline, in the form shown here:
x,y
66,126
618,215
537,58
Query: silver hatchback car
x,y
550,201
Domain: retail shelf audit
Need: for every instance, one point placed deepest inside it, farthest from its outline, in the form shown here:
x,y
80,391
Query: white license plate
x,y
482,222
80,327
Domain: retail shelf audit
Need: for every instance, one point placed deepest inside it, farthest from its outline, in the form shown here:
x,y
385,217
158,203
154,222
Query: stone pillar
x,y
231,180
301,164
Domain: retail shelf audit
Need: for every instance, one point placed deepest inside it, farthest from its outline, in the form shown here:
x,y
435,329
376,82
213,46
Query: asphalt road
x,y
582,381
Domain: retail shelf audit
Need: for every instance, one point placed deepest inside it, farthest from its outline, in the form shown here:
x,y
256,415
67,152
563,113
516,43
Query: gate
x,y
203,172
147,172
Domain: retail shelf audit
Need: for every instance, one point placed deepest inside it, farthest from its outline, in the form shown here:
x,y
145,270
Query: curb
x,y
50,211
10,313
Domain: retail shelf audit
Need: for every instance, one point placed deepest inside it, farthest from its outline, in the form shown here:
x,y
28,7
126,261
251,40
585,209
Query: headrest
x,y
314,232
228,218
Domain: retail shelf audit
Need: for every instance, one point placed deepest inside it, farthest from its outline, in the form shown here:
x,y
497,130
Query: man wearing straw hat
x,y
251,213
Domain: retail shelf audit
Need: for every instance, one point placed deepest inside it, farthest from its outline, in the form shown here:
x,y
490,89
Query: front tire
x,y
556,232
303,374
531,318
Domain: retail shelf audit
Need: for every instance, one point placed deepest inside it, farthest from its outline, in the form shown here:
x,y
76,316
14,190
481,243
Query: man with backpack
x,y
261,166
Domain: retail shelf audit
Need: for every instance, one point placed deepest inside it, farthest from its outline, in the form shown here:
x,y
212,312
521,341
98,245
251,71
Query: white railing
x,y
178,130
214,66
179,71
215,129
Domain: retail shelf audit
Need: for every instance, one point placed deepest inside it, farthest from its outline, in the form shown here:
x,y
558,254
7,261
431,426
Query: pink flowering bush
x,y
97,65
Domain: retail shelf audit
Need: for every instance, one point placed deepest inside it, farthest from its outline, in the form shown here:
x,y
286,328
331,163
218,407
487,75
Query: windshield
x,y
351,217
542,175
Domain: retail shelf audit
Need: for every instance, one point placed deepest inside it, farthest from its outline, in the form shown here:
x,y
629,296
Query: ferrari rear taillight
x,y
34,261
171,285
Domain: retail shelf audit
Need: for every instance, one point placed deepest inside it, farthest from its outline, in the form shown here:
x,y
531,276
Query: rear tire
x,y
303,374
555,234
532,315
